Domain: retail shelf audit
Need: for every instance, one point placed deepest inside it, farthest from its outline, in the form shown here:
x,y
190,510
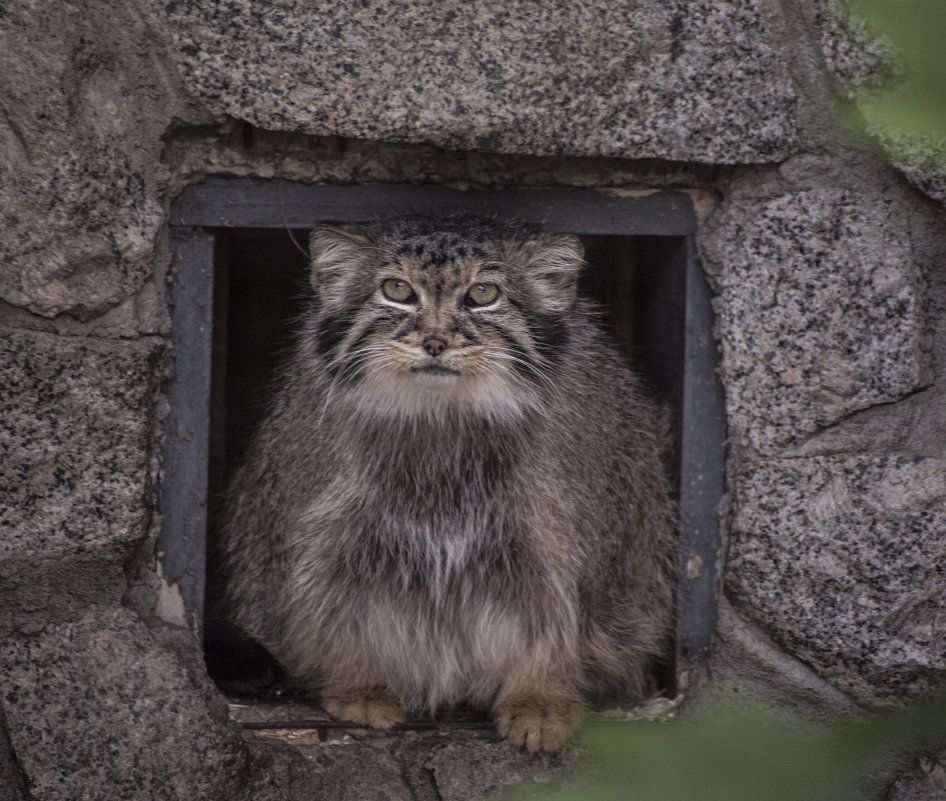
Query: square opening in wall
x,y
246,242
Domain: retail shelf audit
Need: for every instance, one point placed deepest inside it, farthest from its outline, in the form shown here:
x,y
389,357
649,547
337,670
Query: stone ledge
x,y
685,81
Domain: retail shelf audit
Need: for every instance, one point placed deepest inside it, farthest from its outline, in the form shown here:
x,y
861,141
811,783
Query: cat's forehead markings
x,y
441,248
437,270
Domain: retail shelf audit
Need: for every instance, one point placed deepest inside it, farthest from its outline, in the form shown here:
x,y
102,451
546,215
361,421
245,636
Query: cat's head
x,y
424,314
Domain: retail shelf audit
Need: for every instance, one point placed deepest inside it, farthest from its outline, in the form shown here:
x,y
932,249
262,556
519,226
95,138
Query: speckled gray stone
x,y
98,710
452,764
842,560
87,98
700,80
465,770
819,308
74,470
236,149
75,442
919,158
109,111
12,780
746,665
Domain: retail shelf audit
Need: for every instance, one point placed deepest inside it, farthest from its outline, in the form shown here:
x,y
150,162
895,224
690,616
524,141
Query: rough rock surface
x,y
465,770
87,96
74,469
102,707
925,780
97,709
748,665
919,158
819,308
841,559
701,81
438,765
855,54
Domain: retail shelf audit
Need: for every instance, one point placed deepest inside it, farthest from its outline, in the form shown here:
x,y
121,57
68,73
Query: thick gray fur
x,y
455,503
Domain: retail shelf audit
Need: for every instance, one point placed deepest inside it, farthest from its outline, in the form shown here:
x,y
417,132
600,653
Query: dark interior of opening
x,y
261,287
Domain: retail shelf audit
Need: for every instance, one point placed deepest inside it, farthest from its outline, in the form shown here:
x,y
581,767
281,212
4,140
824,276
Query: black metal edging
x,y
182,494
702,470
230,202
255,203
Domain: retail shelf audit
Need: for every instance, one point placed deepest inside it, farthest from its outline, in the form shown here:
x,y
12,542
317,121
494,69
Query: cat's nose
x,y
434,345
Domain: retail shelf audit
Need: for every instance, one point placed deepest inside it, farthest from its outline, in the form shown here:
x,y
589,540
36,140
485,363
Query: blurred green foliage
x,y
915,104
732,754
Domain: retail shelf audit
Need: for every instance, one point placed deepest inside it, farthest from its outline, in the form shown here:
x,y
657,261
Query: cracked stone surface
x,y
447,765
925,780
819,310
842,560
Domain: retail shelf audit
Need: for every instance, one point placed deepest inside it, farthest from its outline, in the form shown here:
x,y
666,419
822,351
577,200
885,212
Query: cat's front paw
x,y
375,707
539,722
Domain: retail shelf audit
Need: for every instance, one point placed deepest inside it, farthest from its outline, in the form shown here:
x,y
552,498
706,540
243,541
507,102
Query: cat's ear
x,y
337,253
554,262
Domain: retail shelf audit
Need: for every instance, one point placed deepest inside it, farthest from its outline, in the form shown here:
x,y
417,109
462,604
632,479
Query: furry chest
x,y
441,614
432,657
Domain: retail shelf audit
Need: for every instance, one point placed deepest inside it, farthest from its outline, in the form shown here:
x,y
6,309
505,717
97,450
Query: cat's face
x,y
421,314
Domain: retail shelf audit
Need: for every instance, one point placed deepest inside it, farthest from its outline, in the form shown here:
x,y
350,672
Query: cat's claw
x,y
375,708
539,723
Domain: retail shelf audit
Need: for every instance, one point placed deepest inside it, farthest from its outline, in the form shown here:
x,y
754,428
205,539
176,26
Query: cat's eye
x,y
397,290
482,294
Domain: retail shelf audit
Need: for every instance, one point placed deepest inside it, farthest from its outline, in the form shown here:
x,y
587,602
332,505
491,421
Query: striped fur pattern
x,y
454,500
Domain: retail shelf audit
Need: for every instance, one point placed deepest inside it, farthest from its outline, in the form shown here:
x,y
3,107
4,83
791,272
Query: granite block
x,y
746,666
87,100
701,80
819,309
841,559
75,445
97,709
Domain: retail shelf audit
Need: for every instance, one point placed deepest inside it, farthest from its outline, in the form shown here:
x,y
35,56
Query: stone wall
x,y
824,258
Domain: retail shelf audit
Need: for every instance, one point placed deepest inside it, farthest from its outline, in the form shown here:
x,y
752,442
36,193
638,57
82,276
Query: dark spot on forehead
x,y
436,250
436,241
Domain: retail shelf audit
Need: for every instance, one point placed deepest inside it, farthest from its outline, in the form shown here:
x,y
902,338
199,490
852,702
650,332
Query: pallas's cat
x,y
457,494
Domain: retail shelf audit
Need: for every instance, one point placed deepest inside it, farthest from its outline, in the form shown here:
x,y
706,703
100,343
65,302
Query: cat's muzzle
x,y
434,367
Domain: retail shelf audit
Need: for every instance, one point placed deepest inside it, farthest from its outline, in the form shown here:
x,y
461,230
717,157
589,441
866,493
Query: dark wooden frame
x,y
221,203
